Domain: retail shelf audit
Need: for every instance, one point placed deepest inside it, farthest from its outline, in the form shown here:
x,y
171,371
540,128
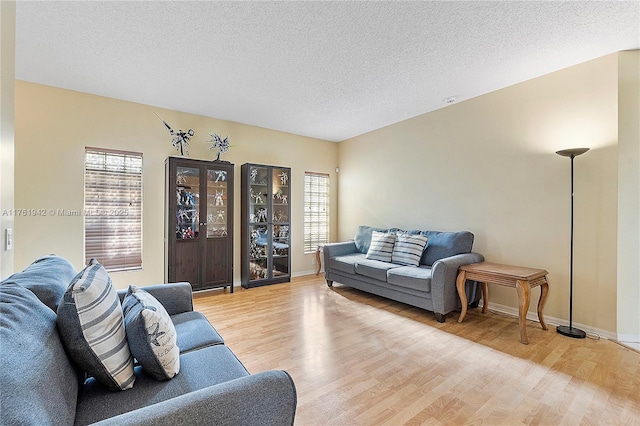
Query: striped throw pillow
x,y
381,246
91,325
408,249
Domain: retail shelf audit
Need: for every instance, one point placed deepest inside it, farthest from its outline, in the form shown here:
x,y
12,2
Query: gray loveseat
x,y
431,285
40,385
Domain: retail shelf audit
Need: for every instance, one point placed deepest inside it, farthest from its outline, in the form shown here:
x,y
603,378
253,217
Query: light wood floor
x,y
358,359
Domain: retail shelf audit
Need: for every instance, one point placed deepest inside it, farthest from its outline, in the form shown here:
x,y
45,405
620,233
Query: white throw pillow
x,y
381,246
408,249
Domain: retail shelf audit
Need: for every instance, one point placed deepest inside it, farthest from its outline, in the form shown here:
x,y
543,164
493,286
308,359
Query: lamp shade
x,y
573,152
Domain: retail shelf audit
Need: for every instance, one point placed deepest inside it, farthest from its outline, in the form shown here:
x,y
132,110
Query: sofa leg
x,y
440,317
330,283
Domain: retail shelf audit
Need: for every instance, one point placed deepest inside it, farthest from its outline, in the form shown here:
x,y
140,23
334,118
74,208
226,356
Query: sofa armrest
x,y
266,398
175,297
338,249
443,281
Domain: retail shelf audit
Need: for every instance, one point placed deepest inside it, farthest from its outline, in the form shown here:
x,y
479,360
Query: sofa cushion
x,y
363,237
199,369
411,277
47,277
195,331
408,249
445,244
39,383
151,335
347,263
92,328
374,269
381,246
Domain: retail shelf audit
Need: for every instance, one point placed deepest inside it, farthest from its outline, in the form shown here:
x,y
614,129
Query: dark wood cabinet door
x,y
199,222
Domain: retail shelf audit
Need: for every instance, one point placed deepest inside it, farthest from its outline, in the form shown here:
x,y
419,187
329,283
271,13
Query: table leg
x,y
460,281
524,298
485,297
544,293
318,261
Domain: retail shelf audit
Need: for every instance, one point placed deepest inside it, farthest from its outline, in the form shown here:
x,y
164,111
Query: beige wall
x,y
629,196
7,75
52,127
488,165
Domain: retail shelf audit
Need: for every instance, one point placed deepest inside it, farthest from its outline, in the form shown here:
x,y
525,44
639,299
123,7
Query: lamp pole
x,y
563,329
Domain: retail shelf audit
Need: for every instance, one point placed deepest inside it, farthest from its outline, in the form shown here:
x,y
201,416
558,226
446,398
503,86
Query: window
x,y
316,210
113,208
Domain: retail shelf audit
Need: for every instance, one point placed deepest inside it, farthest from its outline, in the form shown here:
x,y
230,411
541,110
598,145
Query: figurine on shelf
x,y
261,215
278,195
284,178
257,198
221,176
221,144
220,216
188,233
180,139
283,231
284,199
219,198
254,175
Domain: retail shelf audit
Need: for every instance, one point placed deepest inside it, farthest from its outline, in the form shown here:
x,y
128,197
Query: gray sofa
x,y
431,285
40,385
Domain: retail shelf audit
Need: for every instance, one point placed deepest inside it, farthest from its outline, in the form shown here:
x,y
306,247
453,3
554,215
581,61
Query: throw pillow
x,y
92,328
408,249
381,246
151,334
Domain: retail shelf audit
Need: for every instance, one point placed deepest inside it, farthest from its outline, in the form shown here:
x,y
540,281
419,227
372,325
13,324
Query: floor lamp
x,y
563,329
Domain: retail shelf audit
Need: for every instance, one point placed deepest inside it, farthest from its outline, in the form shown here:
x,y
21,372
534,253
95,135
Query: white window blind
x,y
316,210
113,208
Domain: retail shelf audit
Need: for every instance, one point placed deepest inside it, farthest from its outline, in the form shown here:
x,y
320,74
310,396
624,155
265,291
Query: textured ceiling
x,y
330,70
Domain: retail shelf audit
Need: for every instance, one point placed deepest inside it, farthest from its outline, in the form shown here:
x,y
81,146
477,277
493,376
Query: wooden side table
x,y
523,279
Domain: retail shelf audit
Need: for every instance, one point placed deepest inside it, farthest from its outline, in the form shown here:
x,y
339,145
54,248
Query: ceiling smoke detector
x,y
449,100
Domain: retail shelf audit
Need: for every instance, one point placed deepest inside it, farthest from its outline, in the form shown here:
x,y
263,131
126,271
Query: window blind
x,y
316,210
113,208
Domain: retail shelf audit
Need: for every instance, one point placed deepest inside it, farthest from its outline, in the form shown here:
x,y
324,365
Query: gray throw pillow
x,y
151,334
92,328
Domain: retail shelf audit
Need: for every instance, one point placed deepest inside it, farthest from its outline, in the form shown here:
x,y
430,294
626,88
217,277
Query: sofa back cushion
x,y
39,383
445,244
47,277
363,237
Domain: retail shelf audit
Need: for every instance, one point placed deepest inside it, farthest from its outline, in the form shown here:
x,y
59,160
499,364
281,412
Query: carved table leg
x,y
544,293
460,281
318,260
485,297
524,298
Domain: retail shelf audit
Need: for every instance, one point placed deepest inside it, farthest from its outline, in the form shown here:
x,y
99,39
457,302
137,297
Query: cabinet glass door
x,y
258,193
187,203
217,203
258,249
280,218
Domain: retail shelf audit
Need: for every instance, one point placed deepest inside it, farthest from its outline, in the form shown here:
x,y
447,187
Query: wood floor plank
x,y
359,359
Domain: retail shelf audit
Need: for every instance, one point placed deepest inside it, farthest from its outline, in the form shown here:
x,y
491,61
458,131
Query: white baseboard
x,y
533,316
630,338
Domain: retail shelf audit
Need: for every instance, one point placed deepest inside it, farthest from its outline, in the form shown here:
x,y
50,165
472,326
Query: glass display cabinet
x,y
199,223
266,219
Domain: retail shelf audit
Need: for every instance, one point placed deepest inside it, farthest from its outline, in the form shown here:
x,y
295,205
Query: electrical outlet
x,y
8,239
